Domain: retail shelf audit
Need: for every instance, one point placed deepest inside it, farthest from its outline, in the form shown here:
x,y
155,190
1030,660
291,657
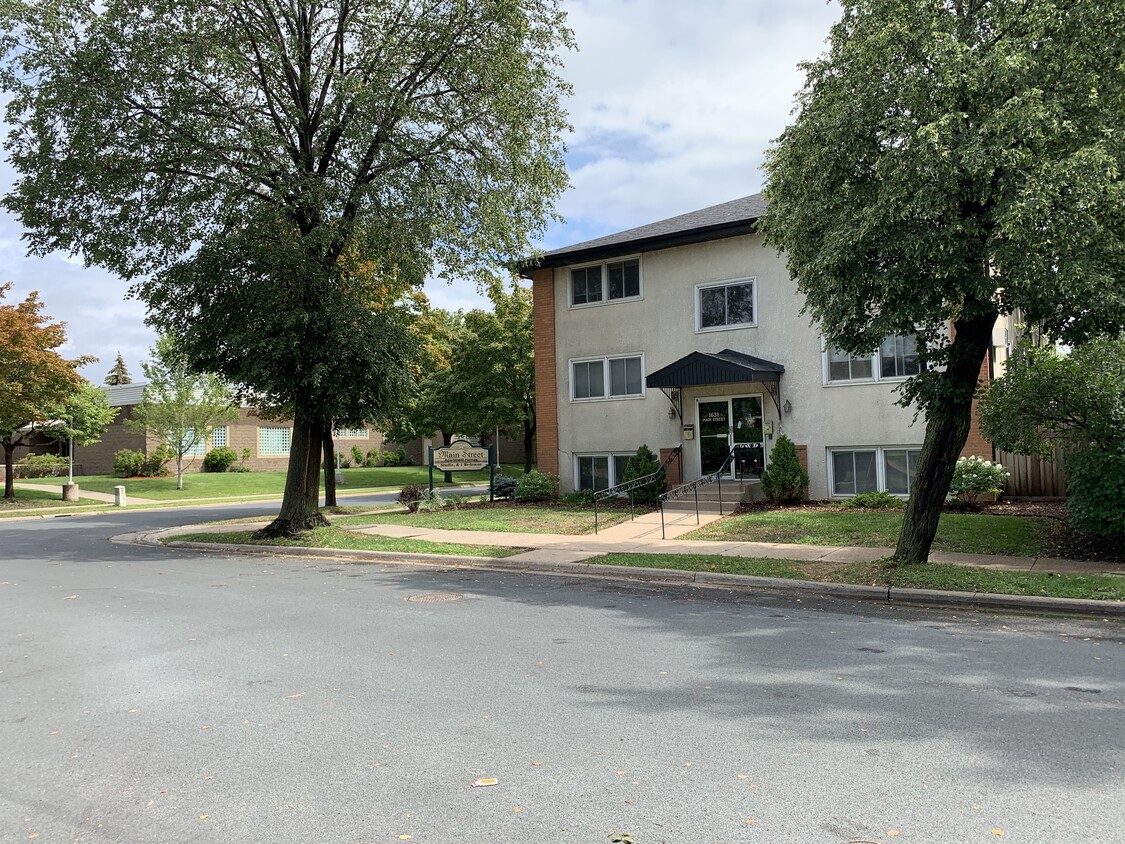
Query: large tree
x,y
952,161
494,359
213,149
35,380
180,407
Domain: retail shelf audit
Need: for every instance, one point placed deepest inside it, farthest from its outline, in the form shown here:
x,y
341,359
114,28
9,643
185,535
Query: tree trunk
x,y
528,444
446,439
9,472
179,471
299,507
947,428
329,467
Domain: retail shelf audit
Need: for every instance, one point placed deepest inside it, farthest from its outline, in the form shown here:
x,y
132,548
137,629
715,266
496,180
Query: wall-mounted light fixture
x,y
787,407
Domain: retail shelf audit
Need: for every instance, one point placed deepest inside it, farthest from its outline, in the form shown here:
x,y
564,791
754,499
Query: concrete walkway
x,y
642,536
85,493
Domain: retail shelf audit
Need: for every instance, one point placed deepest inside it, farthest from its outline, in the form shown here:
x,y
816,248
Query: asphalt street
x,y
158,695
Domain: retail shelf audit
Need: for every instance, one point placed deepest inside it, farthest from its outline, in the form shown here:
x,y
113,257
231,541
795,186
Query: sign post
x,y
463,456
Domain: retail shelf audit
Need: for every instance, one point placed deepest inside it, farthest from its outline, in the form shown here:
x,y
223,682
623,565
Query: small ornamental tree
x,y
640,465
785,479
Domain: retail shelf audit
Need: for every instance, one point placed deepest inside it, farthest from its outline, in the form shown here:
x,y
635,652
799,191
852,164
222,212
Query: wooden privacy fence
x,y
1030,477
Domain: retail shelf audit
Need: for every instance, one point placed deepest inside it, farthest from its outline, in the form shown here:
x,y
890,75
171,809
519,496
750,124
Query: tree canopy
x,y
242,159
952,161
35,380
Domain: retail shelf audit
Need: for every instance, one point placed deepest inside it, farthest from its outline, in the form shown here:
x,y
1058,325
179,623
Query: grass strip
x,y
332,537
561,519
27,499
970,533
951,578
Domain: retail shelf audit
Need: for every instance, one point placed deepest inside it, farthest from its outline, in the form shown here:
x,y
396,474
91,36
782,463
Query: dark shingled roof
x,y
726,220
725,367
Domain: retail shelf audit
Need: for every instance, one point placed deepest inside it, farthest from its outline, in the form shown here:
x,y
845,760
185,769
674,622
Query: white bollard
x,y
119,496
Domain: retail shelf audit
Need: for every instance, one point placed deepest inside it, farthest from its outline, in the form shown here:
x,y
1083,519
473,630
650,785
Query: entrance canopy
x,y
725,367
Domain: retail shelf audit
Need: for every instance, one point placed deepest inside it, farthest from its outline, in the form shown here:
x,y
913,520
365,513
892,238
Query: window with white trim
x,y
607,378
350,434
273,442
725,304
219,436
599,471
876,469
611,281
897,357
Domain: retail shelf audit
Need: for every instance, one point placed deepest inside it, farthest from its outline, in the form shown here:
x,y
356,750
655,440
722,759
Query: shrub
x,y
128,462
400,456
372,459
157,464
357,455
579,496
975,476
390,458
874,501
242,467
537,486
640,465
431,502
1095,480
40,466
220,459
412,495
504,486
785,479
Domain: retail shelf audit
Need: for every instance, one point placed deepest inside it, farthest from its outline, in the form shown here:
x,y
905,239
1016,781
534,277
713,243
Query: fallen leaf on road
x,y
517,810
893,832
484,781
291,697
620,773
33,835
204,817
997,832
70,597
537,764
405,837
743,777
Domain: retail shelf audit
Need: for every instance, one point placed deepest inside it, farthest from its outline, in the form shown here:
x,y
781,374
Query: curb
x,y
980,601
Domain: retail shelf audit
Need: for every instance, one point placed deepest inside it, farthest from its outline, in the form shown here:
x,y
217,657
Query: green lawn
x,y
243,484
508,518
973,533
927,576
333,537
27,499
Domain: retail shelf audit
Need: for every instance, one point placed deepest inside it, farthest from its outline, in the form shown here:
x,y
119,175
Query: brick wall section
x,y
803,459
97,459
546,384
976,445
674,475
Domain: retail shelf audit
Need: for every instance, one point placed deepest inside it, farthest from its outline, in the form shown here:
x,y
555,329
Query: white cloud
x,y
674,105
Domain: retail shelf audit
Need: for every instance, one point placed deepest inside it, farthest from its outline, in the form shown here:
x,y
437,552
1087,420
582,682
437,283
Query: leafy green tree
x,y
245,157
119,374
952,161
494,360
82,417
1076,402
35,380
180,407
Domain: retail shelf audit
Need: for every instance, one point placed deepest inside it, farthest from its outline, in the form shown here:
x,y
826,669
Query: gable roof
x,y
725,367
725,220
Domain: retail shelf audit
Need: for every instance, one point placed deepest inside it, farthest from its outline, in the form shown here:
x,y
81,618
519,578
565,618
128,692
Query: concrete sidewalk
x,y
84,493
643,536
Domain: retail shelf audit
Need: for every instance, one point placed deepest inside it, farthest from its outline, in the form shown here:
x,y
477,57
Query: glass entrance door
x,y
726,422
714,435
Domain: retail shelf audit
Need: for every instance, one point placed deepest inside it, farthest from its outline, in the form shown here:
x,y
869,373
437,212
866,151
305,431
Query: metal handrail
x,y
627,487
715,477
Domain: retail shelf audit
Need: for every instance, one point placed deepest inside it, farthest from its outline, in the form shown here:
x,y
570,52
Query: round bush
x,y
537,486
220,459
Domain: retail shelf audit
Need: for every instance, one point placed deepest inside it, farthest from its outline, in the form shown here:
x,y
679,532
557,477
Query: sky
x,y
674,106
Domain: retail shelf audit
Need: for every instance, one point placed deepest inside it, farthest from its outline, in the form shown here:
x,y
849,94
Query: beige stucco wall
x,y
661,326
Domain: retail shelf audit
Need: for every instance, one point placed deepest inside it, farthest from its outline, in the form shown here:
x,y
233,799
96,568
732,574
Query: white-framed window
x,y
895,359
872,469
599,471
273,442
726,304
608,281
219,436
350,434
617,377
196,449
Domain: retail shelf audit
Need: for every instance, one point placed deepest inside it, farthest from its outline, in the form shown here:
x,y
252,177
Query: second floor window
x,y
729,304
608,282
607,378
897,357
